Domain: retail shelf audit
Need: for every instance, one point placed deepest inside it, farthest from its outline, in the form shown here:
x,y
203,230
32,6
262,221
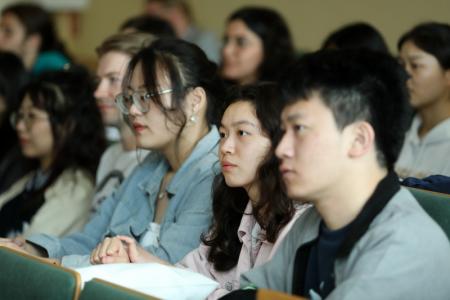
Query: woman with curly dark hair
x,y
252,213
257,46
60,127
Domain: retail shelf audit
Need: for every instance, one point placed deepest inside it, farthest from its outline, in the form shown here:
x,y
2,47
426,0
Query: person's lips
x,y
23,141
286,172
138,127
228,166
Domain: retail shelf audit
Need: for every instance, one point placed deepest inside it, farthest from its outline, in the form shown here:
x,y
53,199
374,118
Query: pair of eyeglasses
x,y
29,118
140,99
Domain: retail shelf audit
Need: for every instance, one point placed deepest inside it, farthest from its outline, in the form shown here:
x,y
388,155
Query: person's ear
x,y
447,77
362,139
197,100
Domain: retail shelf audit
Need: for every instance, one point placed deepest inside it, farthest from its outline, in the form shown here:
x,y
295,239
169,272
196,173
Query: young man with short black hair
x,y
345,118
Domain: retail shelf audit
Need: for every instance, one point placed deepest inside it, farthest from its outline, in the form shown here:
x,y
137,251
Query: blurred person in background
x,y
179,15
425,54
148,24
359,35
27,30
257,46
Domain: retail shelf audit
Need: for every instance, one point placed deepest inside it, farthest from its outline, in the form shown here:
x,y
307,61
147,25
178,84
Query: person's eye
x,y
31,116
146,96
222,134
299,128
7,31
225,40
241,42
114,79
243,133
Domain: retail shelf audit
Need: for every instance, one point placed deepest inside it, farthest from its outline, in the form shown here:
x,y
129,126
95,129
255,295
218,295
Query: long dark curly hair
x,y
273,210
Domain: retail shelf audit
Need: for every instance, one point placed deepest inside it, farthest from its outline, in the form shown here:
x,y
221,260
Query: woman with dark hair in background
x,y
257,46
148,24
28,30
425,53
252,213
358,35
59,126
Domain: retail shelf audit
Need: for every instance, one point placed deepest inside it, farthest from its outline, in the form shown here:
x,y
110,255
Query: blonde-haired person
x,y
121,157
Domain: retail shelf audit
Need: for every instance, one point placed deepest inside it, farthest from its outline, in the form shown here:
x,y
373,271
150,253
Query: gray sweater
x,y
403,254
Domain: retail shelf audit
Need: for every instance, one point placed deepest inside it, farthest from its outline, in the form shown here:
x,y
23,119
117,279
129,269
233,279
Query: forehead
x,y
410,50
155,8
137,77
27,103
112,62
10,19
311,109
238,27
238,112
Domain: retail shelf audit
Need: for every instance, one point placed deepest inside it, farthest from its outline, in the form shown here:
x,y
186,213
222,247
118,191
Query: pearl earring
x,y
193,119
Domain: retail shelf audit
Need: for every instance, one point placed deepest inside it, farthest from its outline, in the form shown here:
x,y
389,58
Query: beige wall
x,y
100,19
309,20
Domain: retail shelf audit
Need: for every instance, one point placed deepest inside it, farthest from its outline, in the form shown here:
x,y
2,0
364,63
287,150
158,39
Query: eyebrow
x,y
241,122
293,117
107,74
415,56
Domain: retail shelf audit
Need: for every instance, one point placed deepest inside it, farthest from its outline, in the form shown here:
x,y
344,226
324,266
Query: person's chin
x,y
295,192
232,182
28,153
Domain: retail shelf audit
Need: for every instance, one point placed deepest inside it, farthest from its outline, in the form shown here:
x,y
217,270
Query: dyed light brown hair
x,y
128,43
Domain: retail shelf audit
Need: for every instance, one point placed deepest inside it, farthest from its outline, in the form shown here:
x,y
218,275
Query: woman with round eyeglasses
x,y
252,212
165,204
59,128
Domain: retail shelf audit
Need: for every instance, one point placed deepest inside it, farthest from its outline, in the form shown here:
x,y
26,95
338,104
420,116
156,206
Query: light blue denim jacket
x,y
132,207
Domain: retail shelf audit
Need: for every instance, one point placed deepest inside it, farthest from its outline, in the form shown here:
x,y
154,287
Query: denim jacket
x,y
132,207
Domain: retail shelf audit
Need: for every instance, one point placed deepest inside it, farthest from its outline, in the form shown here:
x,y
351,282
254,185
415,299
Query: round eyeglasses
x,y
140,99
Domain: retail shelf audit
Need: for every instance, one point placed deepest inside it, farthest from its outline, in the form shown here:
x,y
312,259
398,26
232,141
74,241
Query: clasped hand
x,y
17,243
120,249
